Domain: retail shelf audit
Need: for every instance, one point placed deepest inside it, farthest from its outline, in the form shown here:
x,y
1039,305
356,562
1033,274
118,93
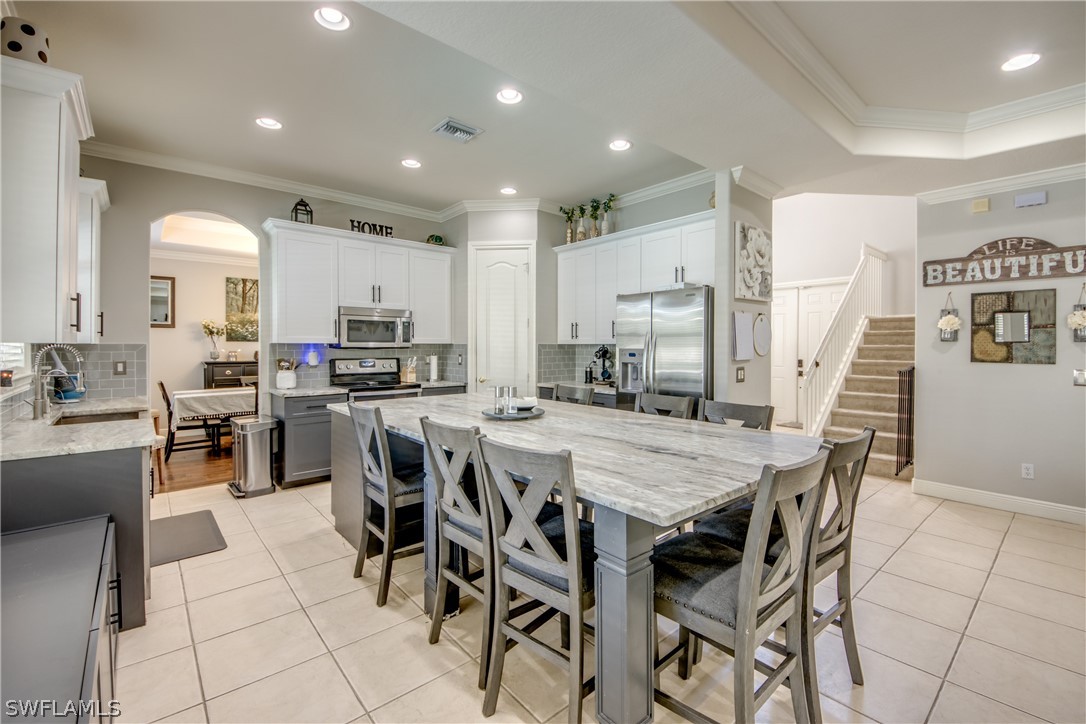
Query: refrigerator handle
x,y
645,364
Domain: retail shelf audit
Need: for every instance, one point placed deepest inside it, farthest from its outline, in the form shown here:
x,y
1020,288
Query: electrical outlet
x,y
1027,471
459,359
740,374
120,367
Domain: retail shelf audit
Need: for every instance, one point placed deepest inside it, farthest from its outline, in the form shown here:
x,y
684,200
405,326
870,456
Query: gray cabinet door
x,y
307,448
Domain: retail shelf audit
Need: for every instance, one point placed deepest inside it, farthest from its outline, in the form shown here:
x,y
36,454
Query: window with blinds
x,y
13,357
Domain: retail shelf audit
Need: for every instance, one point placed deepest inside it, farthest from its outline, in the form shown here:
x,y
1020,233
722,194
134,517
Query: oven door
x,y
374,395
371,331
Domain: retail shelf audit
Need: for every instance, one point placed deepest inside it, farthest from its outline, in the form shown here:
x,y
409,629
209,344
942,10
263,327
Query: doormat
x,y
184,536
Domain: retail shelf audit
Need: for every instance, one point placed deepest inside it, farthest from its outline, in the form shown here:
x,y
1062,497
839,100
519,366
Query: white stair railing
x,y
826,371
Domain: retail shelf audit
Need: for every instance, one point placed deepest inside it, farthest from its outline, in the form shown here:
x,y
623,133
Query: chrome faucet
x,y
41,398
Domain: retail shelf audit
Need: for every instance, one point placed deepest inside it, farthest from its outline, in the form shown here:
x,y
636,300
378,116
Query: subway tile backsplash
x,y
566,362
452,360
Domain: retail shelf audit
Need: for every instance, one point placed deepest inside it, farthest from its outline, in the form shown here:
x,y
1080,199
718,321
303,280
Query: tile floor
x,y
964,614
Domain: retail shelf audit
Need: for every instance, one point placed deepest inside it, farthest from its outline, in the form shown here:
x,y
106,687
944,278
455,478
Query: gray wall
x,y
552,233
693,200
455,231
977,423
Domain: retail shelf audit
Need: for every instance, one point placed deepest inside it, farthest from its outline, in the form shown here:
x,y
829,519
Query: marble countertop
x,y
600,389
659,469
442,383
28,438
308,392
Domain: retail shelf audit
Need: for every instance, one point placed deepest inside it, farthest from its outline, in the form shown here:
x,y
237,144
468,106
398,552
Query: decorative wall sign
x,y
753,263
242,318
1008,259
366,227
1041,347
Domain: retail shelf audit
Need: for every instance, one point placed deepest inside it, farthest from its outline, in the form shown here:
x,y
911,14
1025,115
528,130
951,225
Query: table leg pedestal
x,y
624,618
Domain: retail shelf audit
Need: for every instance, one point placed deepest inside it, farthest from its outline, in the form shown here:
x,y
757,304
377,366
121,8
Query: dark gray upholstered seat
x,y
549,510
412,483
555,531
730,528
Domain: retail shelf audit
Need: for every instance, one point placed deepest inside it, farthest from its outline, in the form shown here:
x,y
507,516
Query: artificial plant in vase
x,y
582,233
608,204
213,331
594,214
570,214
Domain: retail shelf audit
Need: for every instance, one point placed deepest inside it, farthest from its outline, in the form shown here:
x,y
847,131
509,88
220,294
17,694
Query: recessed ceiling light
x,y
410,163
509,190
620,144
332,19
1019,62
269,123
510,95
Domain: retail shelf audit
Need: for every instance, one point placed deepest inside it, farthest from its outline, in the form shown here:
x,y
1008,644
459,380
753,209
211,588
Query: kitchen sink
x,y
107,417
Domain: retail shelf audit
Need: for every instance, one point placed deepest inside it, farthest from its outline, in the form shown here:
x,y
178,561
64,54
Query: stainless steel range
x,y
371,379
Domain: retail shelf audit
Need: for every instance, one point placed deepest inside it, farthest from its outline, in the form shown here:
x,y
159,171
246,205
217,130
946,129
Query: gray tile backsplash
x,y
452,360
566,362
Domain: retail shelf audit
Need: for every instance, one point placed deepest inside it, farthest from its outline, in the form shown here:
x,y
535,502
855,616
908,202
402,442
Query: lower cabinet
x,y
452,390
305,438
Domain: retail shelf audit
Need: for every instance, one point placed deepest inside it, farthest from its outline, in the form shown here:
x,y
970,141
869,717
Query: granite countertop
x,y
28,438
441,383
600,389
659,469
308,392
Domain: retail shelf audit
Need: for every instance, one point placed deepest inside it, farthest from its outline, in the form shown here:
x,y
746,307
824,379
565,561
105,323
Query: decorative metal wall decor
x,y
302,212
1041,327
1075,319
949,321
1008,259
242,305
366,227
753,263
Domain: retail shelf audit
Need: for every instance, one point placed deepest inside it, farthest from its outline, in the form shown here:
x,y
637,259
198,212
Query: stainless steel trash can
x,y
252,455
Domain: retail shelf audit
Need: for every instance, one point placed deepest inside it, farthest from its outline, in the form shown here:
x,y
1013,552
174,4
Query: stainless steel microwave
x,y
371,328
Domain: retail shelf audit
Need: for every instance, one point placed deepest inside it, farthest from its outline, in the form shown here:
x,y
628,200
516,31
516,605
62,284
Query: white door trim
x,y
473,248
828,281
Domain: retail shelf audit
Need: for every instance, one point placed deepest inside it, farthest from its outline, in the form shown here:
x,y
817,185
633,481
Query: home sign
x,y
366,227
1008,259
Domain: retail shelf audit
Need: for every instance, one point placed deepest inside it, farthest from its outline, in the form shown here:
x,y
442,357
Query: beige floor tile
x,y
165,631
998,520
1046,603
860,576
1041,689
961,706
450,698
229,574
329,580
240,607
237,544
1044,550
322,547
878,510
412,584
871,554
165,569
314,691
965,554
194,715
873,530
354,616
931,604
466,627
892,691
835,713
160,507
288,510
914,642
1051,642
317,492
958,530
233,523
1031,528
934,572
872,485
242,657
1042,573
295,531
388,664
1047,521
158,687
166,590
219,506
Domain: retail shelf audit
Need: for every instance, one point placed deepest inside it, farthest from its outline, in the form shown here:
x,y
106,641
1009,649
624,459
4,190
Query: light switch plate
x,y
120,367
740,374
1080,378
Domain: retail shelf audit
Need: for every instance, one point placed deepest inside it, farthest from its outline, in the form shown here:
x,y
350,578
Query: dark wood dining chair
x,y
735,601
576,395
382,487
666,405
551,562
208,441
755,417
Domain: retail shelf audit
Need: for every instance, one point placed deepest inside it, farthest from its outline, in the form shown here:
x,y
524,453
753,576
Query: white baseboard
x,y
1001,501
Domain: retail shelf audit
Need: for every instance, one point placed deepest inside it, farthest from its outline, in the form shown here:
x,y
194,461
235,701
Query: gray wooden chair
x,y
667,405
735,601
381,486
552,562
756,417
833,555
577,395
463,519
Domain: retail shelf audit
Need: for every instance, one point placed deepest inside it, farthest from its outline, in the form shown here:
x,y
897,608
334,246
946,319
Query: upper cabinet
x,y
698,242
93,200
44,117
315,270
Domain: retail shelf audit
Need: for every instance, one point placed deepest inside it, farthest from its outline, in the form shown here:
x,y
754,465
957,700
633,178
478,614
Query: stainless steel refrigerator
x,y
664,342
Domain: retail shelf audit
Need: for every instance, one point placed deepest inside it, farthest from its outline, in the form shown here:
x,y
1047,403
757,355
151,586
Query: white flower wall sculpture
x,y
753,263
950,323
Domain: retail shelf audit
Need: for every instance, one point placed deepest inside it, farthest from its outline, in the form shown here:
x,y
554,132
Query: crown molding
x,y
198,168
204,258
463,207
664,188
52,82
1075,172
95,188
1034,106
755,182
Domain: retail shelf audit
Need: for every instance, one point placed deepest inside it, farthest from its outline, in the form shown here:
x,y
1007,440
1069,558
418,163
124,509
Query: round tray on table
x,y
519,415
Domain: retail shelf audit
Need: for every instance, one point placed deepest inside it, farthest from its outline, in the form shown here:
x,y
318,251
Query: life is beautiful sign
x,y
1010,259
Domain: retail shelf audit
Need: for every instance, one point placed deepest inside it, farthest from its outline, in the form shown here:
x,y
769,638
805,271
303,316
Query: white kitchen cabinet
x,y
431,294
305,285
661,257
628,266
391,276
577,297
698,253
93,200
44,117
606,287
357,274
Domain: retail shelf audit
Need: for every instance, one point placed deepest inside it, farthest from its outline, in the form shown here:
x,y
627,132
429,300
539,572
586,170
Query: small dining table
x,y
643,474
216,404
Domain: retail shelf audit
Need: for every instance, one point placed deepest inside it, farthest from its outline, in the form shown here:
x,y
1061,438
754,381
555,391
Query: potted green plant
x,y
570,214
582,233
594,214
608,204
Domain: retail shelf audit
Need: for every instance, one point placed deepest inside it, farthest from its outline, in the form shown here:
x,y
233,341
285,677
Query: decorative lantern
x,y
949,322
302,212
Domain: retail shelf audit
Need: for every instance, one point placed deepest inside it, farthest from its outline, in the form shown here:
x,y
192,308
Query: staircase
x,y
869,395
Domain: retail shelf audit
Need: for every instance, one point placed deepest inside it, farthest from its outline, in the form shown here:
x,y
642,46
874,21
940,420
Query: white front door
x,y
783,355
502,314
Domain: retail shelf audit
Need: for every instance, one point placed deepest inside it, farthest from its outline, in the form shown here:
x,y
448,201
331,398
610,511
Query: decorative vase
x,y
24,40
214,353
605,227
569,232
595,228
948,335
582,233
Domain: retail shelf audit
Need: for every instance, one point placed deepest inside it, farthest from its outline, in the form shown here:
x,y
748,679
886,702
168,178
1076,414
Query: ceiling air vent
x,y
456,130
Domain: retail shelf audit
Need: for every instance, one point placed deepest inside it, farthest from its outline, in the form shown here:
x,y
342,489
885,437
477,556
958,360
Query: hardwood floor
x,y
194,468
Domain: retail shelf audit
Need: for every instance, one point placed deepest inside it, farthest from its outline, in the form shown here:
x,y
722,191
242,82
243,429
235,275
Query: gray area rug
x,y
184,536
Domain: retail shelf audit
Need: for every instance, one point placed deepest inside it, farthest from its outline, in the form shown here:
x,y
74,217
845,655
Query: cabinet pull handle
x,y
684,274
151,477
378,293
676,275
373,293
571,330
612,329
577,325
101,324
78,299
118,615
335,328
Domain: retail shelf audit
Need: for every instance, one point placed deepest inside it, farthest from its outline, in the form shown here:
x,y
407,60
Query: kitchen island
x,y
643,474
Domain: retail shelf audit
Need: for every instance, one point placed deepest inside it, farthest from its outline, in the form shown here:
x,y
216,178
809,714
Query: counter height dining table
x,y
643,474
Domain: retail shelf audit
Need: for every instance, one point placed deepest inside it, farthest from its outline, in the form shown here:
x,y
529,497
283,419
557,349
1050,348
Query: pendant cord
x,y
950,302
1082,295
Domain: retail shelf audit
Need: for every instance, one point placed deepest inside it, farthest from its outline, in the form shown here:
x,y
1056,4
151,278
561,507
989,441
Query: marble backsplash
x,y
452,360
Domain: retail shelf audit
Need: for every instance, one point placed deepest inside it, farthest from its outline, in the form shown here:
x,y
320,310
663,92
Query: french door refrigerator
x,y
664,342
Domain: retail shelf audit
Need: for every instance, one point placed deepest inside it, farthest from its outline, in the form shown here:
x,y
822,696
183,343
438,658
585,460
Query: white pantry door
x,y
816,307
502,315
783,355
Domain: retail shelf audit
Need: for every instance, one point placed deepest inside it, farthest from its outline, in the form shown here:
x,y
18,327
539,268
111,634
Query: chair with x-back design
x,y
666,405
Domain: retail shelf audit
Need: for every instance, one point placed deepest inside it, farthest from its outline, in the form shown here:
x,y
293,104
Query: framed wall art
x,y
242,305
1014,327
753,263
